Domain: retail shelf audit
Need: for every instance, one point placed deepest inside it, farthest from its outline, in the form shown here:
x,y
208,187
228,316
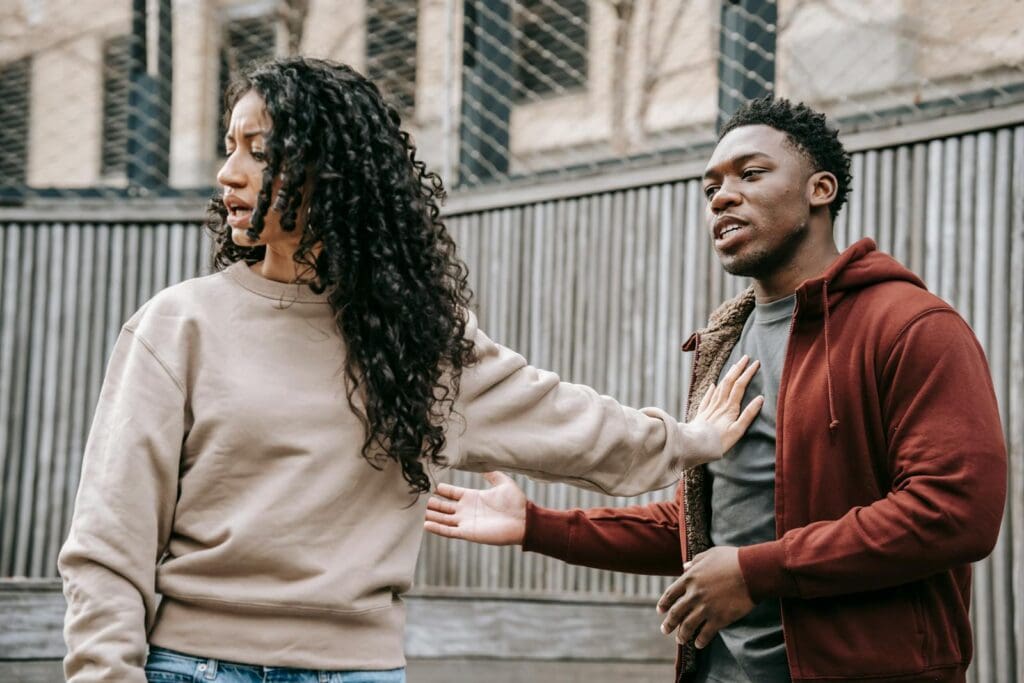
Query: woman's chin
x,y
239,237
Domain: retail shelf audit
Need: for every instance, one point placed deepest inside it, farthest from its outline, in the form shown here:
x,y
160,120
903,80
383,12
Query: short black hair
x,y
807,130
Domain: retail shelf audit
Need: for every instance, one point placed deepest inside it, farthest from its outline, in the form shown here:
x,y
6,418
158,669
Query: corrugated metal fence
x,y
601,288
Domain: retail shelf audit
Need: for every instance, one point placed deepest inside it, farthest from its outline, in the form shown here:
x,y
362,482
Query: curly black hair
x,y
399,291
807,130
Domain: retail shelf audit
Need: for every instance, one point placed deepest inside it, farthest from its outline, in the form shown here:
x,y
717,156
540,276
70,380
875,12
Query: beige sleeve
x,y
517,418
122,516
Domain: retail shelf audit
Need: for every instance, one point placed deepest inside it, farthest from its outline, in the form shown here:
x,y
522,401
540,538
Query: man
x,y
834,541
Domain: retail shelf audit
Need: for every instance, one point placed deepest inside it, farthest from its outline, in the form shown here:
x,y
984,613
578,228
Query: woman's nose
x,y
229,175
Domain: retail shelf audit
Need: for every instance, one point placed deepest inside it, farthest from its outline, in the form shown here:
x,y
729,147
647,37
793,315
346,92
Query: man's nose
x,y
724,198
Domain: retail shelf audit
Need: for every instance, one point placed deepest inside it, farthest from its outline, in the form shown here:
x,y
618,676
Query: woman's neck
x,y
280,266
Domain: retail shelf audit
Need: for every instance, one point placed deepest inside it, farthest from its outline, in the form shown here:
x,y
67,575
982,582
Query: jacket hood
x,y
860,265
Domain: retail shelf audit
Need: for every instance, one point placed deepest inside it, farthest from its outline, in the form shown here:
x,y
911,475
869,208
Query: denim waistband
x,y
162,661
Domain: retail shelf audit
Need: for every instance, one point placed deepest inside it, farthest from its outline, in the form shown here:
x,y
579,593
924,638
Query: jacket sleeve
x,y
641,539
948,463
122,516
513,417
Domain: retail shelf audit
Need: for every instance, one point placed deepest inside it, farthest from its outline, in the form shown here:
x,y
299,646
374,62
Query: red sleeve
x,y
948,463
641,539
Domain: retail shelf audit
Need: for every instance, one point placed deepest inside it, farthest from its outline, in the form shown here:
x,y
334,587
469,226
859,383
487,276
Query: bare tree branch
x,y
624,21
653,68
293,13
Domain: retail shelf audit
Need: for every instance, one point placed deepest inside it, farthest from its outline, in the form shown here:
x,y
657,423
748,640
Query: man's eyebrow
x,y
248,136
735,161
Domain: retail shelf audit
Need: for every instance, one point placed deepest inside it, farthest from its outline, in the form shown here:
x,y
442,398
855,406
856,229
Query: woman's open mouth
x,y
239,212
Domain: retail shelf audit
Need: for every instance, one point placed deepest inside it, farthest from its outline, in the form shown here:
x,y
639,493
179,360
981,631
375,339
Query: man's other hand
x,y
710,595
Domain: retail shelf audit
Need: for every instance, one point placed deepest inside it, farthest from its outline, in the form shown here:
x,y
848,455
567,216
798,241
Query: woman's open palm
x,y
495,516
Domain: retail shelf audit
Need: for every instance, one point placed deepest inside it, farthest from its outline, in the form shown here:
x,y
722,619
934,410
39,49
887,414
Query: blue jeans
x,y
168,666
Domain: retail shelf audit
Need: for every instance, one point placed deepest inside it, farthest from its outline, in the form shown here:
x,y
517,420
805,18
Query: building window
x,y
243,41
14,99
391,50
551,45
116,55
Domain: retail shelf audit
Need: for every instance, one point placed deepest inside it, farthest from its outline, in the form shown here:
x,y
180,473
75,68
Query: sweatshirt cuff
x,y
764,571
547,531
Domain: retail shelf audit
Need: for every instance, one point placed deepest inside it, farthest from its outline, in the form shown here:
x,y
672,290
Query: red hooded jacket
x,y
890,479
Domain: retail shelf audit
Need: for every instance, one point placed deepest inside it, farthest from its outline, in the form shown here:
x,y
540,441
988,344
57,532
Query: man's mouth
x,y
729,230
726,225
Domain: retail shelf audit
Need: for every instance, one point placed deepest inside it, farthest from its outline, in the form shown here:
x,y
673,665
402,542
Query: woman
x,y
263,433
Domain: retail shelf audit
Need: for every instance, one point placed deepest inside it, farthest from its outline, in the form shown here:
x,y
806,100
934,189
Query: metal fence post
x,y
746,57
149,102
486,65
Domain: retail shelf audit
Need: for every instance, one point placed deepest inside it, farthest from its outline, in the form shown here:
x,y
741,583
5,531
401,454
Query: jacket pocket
x,y
874,634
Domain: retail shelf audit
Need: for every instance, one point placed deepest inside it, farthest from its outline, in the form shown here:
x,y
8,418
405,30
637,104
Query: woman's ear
x,y
822,187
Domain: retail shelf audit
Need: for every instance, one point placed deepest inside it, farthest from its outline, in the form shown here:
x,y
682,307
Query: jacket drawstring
x,y
833,424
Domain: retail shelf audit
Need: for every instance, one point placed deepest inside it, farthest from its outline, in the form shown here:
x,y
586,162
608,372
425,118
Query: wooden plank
x,y
42,556
81,398
64,455
1015,425
32,612
903,209
31,619
33,400
930,268
10,403
948,250
521,629
32,671
886,181
499,671
964,219
981,607
918,242
1000,560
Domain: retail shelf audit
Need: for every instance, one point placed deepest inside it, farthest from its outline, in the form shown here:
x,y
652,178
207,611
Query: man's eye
x,y
751,172
710,191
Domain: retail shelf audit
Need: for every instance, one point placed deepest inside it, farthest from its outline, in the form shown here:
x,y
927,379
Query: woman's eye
x,y
259,156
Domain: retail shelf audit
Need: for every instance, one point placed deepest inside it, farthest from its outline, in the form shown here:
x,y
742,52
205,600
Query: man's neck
x,y
805,265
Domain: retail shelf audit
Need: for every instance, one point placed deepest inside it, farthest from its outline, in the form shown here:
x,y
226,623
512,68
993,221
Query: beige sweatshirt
x,y
223,474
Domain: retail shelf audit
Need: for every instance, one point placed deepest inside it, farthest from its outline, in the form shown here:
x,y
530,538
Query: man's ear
x,y
822,187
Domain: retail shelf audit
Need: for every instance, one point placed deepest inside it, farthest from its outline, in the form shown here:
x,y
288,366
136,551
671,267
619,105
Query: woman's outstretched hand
x,y
495,516
719,423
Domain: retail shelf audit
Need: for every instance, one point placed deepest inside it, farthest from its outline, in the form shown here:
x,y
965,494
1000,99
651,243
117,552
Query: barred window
x,y
391,50
551,44
243,41
116,56
14,103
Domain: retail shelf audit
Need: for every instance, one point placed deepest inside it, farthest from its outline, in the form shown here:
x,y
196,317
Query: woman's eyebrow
x,y
248,136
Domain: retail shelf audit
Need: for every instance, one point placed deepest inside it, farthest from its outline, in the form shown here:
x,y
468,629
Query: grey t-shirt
x,y
743,505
